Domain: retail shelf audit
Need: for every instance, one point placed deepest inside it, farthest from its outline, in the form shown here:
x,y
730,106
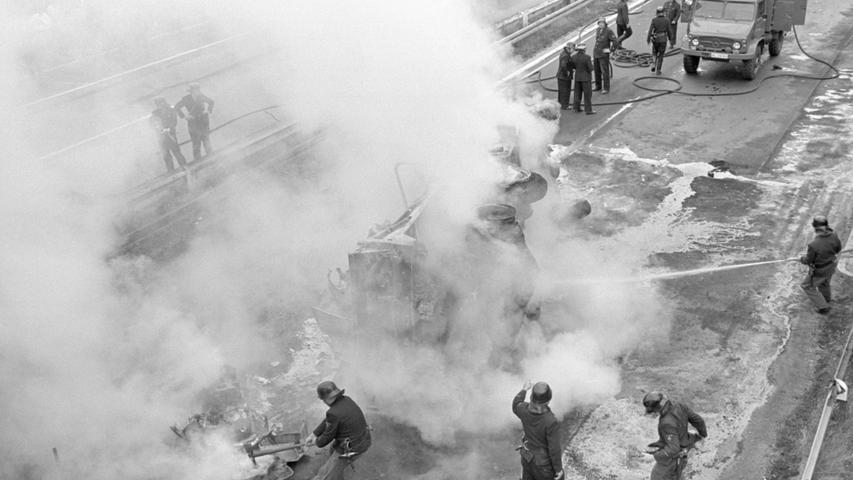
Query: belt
x,y
824,264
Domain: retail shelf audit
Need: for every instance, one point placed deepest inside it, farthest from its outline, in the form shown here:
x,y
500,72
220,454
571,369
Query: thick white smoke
x,y
100,356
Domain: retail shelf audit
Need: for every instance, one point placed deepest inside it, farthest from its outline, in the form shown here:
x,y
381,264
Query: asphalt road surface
x,y
745,347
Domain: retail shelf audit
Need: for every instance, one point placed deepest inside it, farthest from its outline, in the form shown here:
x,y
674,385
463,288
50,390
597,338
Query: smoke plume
x,y
100,355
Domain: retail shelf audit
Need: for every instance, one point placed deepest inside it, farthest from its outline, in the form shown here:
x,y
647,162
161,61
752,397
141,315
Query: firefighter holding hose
x,y
670,450
822,258
541,454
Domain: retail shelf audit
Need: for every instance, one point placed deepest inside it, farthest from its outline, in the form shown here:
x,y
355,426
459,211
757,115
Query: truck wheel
x,y
750,67
775,47
691,63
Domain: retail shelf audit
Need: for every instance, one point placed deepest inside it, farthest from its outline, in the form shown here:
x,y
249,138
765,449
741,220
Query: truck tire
x,y
691,63
775,47
750,67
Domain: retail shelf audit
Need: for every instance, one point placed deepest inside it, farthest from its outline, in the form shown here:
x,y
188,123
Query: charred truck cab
x,y
737,31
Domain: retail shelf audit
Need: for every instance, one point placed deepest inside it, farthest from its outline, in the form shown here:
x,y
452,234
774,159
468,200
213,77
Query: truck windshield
x,y
739,11
726,10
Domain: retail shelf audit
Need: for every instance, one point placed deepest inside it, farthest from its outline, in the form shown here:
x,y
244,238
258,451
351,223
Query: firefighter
x,y
821,258
605,40
623,27
565,73
658,31
199,107
670,451
164,120
672,10
583,79
541,454
344,427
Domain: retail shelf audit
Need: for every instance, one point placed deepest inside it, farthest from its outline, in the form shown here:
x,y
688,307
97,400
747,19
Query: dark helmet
x,y
327,390
652,401
820,221
541,393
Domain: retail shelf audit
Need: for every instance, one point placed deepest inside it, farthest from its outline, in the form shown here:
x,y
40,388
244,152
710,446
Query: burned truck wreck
x,y
401,282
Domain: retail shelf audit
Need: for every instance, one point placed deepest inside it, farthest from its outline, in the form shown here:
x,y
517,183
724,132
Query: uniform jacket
x,y
658,30
344,422
583,67
672,10
197,111
822,250
604,39
541,433
672,430
164,119
566,68
622,13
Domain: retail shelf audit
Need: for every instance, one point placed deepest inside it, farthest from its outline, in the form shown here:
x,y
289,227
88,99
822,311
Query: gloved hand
x,y
559,475
527,385
606,50
803,260
311,440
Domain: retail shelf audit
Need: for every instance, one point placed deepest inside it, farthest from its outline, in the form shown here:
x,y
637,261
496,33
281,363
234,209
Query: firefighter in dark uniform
x,y
672,12
623,27
658,32
199,107
164,120
541,454
670,451
821,257
605,40
565,73
583,79
345,428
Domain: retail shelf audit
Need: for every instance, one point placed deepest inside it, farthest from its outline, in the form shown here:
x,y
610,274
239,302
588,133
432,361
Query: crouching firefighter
x,y
345,428
541,454
670,451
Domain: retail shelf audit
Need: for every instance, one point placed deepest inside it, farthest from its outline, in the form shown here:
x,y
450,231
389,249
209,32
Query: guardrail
x,y
535,19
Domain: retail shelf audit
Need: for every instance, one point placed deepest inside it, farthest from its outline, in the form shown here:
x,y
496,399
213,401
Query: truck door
x,y
687,10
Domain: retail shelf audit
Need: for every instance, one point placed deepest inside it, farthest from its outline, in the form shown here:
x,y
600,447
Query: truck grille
x,y
713,44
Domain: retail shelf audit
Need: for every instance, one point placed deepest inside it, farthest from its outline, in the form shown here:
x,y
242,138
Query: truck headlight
x,y
736,46
694,42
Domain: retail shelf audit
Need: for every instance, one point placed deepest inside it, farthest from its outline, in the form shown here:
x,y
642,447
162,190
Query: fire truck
x,y
737,31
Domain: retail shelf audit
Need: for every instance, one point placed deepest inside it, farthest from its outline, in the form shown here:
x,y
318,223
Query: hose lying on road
x,y
631,58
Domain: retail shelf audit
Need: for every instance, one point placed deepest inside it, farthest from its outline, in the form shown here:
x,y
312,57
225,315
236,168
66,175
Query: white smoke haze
x,y
99,357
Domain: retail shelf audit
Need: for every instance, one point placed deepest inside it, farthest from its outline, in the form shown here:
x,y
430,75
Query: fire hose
x,y
685,273
634,59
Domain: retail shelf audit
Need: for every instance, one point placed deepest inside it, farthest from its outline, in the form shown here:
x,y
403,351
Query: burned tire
x,y
750,67
775,46
691,63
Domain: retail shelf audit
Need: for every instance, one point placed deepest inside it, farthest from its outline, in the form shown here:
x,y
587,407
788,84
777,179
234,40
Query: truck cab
x,y
737,31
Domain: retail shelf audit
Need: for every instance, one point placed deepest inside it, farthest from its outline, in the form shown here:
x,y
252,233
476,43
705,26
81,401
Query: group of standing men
x,y
196,107
542,454
575,66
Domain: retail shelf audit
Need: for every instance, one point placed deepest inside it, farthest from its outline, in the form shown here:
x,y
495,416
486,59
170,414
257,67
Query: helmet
x,y
160,101
659,9
541,393
327,390
580,46
602,20
652,401
194,86
820,221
